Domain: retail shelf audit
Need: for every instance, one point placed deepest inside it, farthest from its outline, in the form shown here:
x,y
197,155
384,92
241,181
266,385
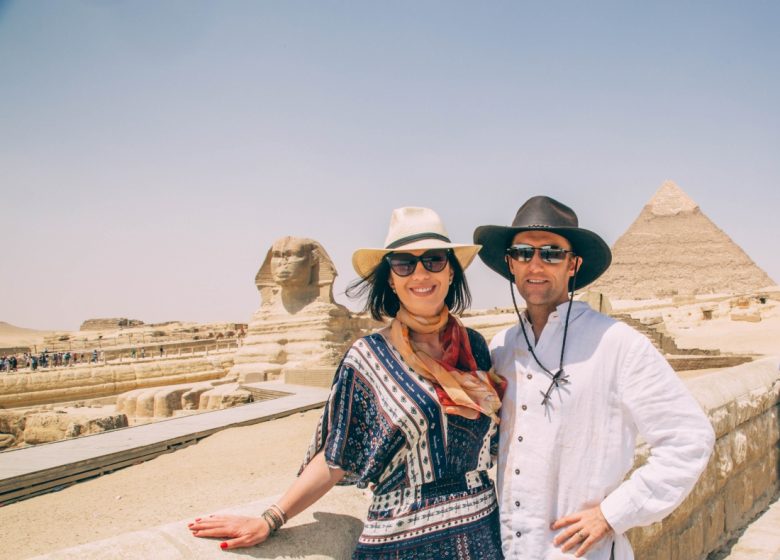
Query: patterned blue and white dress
x,y
384,426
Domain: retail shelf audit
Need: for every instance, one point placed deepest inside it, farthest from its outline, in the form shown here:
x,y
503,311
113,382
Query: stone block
x,y
191,399
723,419
644,538
739,501
659,550
7,440
714,523
689,543
749,315
739,447
144,403
167,400
721,464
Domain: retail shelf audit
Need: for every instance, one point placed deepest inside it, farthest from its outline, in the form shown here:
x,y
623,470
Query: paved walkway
x,y
33,470
761,540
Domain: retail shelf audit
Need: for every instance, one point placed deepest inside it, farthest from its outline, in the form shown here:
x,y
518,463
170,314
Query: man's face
x,y
291,263
542,284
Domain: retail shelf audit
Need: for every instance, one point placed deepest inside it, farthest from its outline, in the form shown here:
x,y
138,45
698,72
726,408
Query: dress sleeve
x,y
354,432
678,432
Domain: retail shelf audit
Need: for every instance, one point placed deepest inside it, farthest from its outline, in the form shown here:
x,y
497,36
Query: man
x,y
581,386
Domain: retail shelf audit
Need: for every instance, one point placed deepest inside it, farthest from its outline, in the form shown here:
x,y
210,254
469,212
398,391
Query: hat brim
x,y
595,253
365,261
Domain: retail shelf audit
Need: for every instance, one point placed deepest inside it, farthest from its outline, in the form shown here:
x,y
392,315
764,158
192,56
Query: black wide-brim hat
x,y
546,214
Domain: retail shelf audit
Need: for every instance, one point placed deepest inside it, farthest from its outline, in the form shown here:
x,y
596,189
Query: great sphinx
x,y
298,324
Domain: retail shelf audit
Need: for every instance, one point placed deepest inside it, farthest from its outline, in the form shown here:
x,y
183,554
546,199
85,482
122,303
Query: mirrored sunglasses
x,y
548,253
403,264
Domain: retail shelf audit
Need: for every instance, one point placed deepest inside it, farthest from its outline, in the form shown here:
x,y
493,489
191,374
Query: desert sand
x,y
12,336
735,337
228,469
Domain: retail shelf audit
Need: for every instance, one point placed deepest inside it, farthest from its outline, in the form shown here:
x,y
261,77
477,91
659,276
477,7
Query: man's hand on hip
x,y
584,528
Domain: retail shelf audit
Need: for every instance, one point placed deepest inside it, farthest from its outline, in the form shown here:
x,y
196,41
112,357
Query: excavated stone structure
x,y
673,249
154,403
298,325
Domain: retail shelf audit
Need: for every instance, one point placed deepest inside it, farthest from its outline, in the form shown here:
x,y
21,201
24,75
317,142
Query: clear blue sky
x,y
151,152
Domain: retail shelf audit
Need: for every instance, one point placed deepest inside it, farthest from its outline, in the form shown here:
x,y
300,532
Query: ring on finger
x,y
582,535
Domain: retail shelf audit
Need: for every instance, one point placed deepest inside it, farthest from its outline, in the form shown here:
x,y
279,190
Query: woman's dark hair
x,y
383,302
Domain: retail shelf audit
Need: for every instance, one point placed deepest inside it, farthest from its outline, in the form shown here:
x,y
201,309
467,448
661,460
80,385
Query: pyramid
x,y
672,248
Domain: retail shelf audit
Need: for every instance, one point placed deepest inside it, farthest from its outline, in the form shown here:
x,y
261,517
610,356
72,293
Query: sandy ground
x,y
11,336
229,468
733,336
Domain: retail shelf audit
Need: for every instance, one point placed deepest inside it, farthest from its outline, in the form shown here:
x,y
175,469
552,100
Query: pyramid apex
x,y
670,200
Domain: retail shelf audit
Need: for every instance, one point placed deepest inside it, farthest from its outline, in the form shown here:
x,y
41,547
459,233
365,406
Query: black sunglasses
x,y
548,253
403,264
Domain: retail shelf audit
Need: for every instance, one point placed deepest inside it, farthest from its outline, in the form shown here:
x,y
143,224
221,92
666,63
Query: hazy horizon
x,y
150,153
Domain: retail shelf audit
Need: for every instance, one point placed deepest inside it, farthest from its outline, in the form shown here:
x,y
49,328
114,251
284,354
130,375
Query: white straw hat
x,y
413,228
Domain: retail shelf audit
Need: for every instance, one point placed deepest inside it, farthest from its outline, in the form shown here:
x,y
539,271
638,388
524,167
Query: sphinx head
x,y
296,271
293,262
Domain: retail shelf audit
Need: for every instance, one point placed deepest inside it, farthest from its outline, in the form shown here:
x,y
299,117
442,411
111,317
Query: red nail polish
x,y
223,545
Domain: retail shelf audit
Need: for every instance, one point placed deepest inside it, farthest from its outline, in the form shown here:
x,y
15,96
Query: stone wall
x,y
89,381
743,404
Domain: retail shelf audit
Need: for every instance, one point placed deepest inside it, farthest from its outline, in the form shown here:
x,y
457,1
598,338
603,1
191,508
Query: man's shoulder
x,y
499,339
589,319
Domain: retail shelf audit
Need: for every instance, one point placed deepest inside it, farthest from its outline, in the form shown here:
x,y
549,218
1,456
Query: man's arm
x,y
679,434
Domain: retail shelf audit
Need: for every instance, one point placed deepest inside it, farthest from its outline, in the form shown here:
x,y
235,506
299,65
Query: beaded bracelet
x,y
281,512
274,519
273,524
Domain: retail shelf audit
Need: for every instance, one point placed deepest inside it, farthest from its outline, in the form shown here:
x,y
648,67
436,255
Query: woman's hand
x,y
242,531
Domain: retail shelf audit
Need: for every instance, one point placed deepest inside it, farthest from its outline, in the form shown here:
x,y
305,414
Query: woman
x,y
411,412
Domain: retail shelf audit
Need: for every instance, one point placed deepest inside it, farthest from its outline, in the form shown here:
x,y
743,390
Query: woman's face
x,y
422,293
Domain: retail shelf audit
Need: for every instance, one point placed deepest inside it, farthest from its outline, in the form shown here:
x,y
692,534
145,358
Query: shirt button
x,y
517,471
520,438
518,534
517,504
524,407
529,376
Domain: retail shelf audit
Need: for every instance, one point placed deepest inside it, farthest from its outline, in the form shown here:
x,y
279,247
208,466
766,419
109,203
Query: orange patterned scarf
x,y
457,380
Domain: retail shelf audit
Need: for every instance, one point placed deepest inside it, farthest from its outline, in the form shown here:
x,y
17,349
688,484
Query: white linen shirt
x,y
574,454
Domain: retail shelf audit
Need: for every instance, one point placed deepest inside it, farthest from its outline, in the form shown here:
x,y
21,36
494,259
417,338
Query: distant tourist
x,y
426,453
581,387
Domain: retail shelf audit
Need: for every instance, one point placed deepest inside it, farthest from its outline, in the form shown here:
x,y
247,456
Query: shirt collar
x,y
557,316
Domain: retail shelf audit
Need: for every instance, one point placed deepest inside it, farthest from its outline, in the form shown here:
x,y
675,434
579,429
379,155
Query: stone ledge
x,y
324,532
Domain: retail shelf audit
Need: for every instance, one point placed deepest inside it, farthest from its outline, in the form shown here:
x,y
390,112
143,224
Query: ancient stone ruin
x,y
298,324
109,324
673,249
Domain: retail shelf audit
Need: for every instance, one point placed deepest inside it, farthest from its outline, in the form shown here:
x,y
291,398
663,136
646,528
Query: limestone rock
x,y
749,315
45,427
7,440
224,396
163,402
108,324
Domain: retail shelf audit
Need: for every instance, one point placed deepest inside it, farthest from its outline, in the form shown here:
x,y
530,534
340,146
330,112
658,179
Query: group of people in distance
x,y
420,410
